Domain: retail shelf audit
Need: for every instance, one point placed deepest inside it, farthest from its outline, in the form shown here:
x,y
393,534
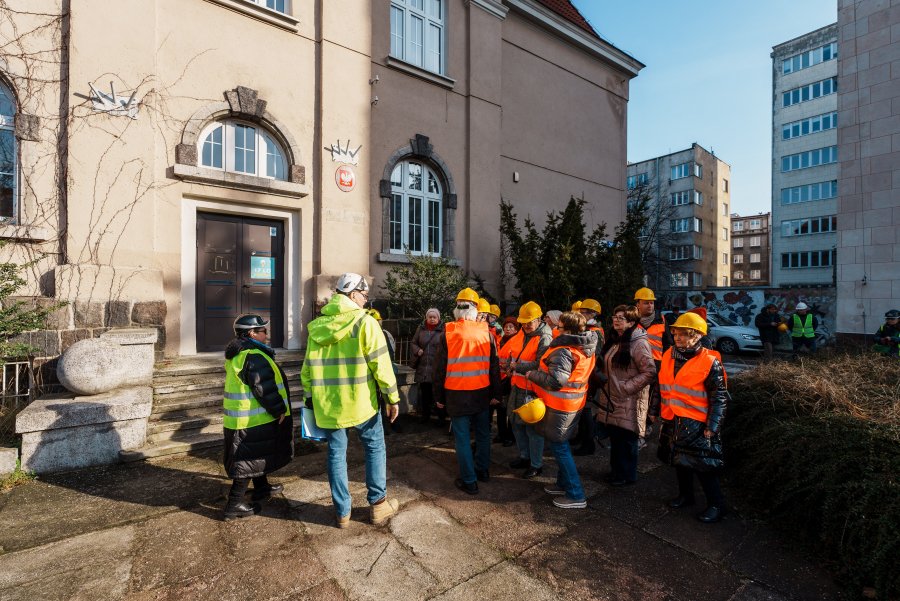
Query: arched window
x,y
415,209
241,148
8,195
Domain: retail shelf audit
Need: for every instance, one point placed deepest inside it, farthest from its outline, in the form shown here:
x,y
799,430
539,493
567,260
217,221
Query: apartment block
x,y
689,198
805,158
868,212
750,250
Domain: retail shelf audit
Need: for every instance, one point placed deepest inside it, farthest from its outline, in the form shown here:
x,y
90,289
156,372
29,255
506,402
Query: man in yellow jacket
x,y
346,360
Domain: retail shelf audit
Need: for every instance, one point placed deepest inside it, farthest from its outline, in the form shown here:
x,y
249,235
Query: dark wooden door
x,y
240,269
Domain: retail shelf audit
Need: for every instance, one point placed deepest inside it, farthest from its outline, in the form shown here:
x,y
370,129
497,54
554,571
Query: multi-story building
x,y
750,250
868,216
236,156
689,198
804,158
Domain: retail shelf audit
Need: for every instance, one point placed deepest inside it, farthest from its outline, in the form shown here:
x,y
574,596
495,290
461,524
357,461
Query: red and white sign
x,y
345,178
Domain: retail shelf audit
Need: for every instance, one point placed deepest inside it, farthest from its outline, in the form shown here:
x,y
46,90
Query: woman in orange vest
x,y
520,355
561,382
628,364
693,400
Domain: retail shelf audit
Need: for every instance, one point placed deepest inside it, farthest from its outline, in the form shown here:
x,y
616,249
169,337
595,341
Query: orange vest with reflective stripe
x,y
686,397
571,396
468,355
598,328
655,338
517,350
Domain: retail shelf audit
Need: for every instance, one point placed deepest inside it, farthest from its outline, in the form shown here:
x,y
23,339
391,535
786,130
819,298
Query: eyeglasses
x,y
261,330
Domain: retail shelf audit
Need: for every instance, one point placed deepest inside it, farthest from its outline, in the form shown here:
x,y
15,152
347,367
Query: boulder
x,y
91,367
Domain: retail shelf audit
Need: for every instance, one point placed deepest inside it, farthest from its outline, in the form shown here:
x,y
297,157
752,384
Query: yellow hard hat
x,y
576,305
374,313
531,412
467,294
495,310
483,306
644,294
591,305
782,327
529,312
690,320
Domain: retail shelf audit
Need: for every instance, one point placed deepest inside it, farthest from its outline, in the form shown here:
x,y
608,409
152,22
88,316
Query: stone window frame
x,y
242,104
419,149
26,131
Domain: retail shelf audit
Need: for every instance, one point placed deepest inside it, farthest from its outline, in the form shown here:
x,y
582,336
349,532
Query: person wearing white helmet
x,y
803,326
346,363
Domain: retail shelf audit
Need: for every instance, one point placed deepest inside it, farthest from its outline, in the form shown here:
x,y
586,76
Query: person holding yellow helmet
x,y
768,322
520,355
694,398
583,443
562,384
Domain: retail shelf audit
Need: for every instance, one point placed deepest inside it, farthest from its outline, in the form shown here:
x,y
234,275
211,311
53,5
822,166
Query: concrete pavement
x,y
152,531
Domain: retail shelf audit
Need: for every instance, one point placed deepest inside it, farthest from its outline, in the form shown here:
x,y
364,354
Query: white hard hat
x,y
801,306
349,282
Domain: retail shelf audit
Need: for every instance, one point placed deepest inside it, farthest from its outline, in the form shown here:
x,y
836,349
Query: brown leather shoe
x,y
384,510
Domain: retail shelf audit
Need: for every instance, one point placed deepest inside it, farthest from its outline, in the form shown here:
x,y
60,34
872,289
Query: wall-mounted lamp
x,y
516,177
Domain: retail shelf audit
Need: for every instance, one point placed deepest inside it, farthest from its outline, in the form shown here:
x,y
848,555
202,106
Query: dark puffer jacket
x,y
681,440
252,452
558,426
426,341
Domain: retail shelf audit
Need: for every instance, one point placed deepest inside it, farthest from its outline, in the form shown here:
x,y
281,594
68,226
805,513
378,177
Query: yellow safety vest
x,y
241,409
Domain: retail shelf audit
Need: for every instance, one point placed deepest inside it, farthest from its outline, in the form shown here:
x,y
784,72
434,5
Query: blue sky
x,y
708,77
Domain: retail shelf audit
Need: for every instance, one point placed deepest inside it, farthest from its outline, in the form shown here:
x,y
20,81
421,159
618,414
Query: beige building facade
x,y
689,211
171,175
868,211
750,249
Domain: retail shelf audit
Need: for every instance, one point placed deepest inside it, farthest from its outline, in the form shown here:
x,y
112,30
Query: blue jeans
x,y
567,477
530,443
480,422
371,435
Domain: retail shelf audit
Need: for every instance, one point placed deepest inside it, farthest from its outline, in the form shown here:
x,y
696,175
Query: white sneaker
x,y
567,503
553,489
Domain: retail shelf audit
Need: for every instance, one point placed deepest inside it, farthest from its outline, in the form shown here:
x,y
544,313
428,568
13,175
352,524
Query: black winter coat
x,y
252,452
681,440
768,332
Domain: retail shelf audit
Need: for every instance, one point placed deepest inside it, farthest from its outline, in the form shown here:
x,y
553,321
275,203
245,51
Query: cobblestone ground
x,y
153,531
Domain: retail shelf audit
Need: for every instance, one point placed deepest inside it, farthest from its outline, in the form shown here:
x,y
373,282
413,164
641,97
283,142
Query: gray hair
x,y
469,313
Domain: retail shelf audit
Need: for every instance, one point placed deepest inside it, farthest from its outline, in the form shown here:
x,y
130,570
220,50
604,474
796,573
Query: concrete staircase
x,y
187,404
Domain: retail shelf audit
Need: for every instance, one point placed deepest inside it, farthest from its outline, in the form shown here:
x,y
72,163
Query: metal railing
x,y
16,391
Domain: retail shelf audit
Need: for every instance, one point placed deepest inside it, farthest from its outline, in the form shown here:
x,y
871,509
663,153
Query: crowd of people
x,y
551,378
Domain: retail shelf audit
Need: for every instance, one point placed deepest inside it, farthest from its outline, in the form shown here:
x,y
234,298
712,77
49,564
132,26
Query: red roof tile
x,y
567,10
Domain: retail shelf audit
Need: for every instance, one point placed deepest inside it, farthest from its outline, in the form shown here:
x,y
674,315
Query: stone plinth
x,y
65,432
8,458
136,351
406,386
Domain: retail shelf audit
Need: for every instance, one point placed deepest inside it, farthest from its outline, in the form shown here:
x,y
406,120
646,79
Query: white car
x,y
728,337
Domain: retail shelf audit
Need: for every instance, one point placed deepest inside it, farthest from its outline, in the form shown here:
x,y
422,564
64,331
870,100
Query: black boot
x,y
264,494
234,511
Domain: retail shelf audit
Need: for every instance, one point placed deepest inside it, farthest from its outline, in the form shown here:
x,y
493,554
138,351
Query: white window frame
x,y
7,124
755,224
724,258
273,5
262,139
738,242
433,23
809,192
755,257
738,275
738,259
407,193
679,279
724,233
681,171
807,59
755,274
738,226
755,240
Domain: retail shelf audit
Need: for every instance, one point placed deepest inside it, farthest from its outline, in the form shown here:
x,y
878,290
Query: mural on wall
x,y
742,305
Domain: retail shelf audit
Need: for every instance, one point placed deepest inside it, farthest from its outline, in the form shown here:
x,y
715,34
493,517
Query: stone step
x,y
213,363
184,431
172,447
187,401
168,384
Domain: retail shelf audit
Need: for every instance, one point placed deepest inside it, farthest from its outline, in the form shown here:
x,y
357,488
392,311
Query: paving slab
x,y
604,558
503,582
763,557
89,566
755,592
441,545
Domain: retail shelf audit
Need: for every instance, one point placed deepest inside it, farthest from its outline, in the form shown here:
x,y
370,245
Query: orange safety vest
x,y
516,349
598,328
556,332
468,355
572,395
655,338
686,397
